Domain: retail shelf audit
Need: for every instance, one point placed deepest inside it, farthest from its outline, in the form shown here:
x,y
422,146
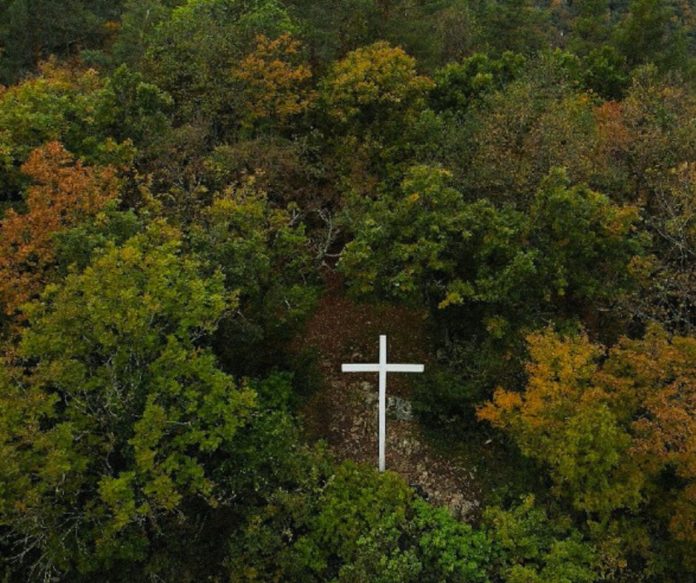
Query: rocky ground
x,y
344,410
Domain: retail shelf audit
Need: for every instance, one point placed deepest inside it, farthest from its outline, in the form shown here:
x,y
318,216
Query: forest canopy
x,y
208,204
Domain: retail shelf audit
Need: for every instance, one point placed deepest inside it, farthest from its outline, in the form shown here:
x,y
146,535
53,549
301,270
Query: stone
x,y
399,408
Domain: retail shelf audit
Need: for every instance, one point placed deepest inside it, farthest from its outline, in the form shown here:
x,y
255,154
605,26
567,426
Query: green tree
x,y
333,32
131,109
605,72
457,85
590,25
425,242
191,54
533,548
139,20
263,253
521,26
32,30
651,32
430,30
489,273
359,526
114,415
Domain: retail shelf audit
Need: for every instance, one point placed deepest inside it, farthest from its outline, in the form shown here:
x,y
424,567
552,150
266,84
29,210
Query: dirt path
x,y
344,411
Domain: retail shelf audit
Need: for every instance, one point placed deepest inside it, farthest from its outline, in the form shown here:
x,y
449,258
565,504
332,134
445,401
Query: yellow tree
x,y
566,420
275,82
373,98
377,83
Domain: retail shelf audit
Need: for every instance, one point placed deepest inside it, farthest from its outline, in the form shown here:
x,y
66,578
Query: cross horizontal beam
x,y
405,368
377,367
360,367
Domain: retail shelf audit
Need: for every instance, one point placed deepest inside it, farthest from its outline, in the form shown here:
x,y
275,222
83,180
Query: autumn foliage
x,y
187,185
274,81
375,85
63,193
610,427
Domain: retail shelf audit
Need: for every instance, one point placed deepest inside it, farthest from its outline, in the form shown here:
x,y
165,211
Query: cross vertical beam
x,y
382,400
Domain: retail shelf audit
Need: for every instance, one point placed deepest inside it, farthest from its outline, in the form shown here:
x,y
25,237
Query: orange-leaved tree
x,y
656,377
63,193
568,421
617,431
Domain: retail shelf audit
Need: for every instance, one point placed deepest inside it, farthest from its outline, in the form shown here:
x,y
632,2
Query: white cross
x,y
382,368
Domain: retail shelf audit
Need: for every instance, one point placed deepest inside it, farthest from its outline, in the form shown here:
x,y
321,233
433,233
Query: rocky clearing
x,y
344,411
